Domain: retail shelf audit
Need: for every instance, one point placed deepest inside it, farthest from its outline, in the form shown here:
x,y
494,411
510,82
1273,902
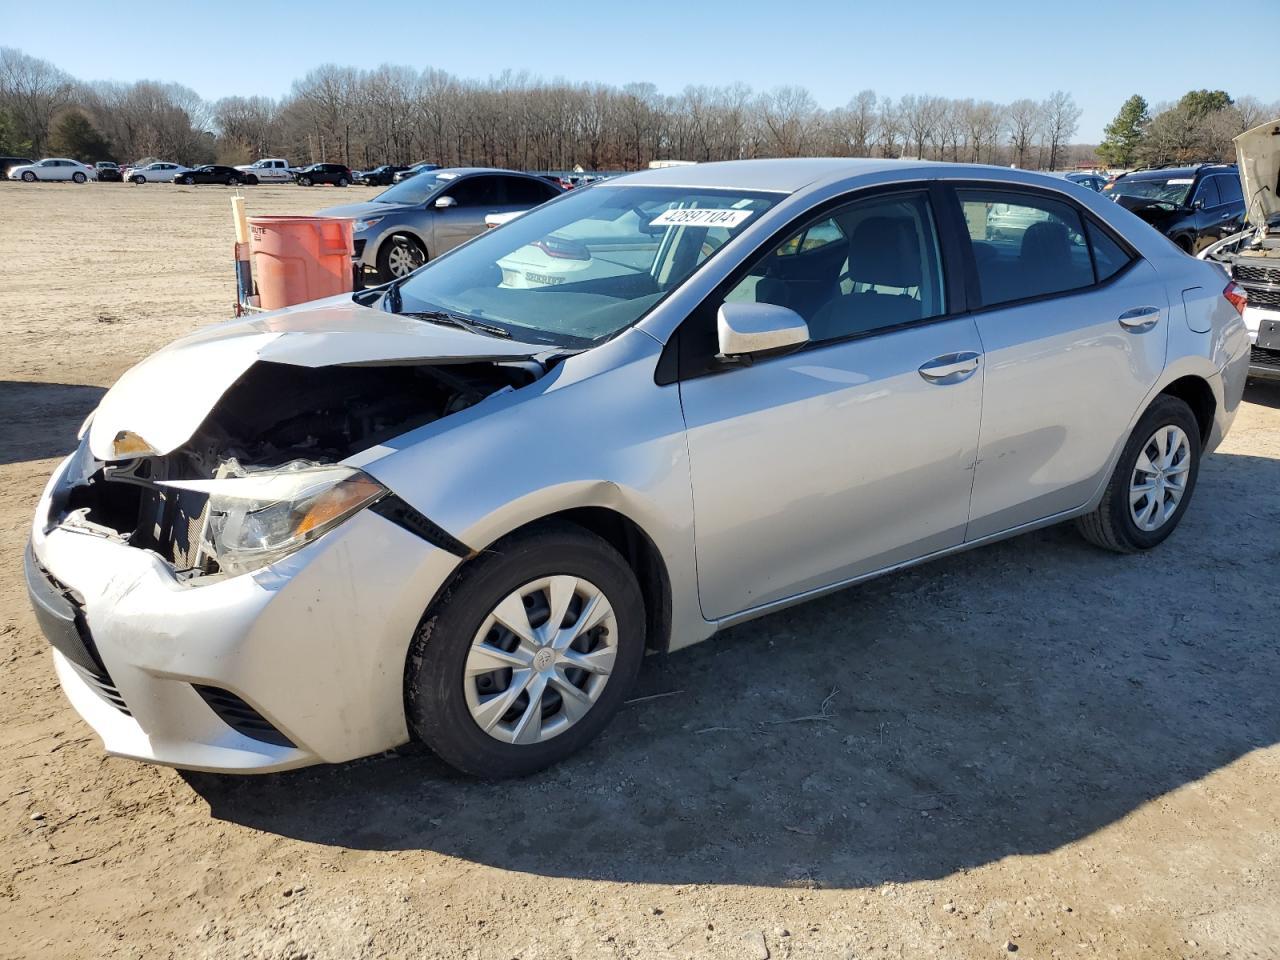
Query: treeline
x,y
397,114
1198,127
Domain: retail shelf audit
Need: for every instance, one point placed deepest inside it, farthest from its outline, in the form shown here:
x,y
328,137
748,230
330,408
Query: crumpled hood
x,y
1258,157
167,396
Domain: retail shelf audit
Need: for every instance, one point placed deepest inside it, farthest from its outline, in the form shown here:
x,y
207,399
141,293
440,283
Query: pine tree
x,y
75,137
1119,146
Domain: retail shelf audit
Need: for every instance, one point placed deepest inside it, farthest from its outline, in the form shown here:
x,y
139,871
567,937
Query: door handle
x,y
1139,318
949,368
1225,216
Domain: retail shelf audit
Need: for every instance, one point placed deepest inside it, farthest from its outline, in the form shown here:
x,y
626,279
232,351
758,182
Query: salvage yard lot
x,y
1037,745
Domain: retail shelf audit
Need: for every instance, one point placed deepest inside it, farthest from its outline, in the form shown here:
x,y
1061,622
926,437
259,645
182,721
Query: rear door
x,y
1073,325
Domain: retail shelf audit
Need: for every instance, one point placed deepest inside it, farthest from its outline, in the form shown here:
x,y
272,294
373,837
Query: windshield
x,y
583,268
416,189
1171,190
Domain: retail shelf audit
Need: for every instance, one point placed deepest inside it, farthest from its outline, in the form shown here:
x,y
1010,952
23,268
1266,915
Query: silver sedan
x,y
461,507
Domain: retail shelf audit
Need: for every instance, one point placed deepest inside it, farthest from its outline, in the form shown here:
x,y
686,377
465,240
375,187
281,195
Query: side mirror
x,y
1197,203
749,329
444,203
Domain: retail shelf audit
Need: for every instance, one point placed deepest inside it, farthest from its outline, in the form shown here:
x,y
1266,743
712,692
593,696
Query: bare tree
x,y
1061,120
32,91
1024,121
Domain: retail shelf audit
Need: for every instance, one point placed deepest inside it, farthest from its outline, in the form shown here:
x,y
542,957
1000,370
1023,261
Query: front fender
x,y
595,432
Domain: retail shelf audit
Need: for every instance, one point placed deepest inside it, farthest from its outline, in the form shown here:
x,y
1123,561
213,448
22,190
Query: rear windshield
x,y
1172,190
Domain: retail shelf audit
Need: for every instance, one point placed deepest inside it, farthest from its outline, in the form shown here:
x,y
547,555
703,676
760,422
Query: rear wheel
x,y
233,181
399,257
79,177
528,655
342,181
1152,484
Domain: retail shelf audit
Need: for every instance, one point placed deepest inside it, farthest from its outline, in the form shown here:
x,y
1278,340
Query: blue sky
x,y
998,50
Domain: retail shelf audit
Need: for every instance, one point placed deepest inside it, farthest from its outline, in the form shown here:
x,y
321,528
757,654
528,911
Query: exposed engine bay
x,y
275,417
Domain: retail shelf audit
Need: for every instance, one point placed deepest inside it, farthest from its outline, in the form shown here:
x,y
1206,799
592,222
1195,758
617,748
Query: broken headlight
x,y
256,519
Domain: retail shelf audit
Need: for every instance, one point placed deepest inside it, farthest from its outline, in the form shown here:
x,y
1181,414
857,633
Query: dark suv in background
x,y
319,173
1193,206
8,162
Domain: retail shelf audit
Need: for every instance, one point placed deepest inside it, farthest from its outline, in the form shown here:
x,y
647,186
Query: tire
x,y
79,177
188,181
304,181
251,180
342,181
440,696
233,181
1113,525
399,256
28,176
139,180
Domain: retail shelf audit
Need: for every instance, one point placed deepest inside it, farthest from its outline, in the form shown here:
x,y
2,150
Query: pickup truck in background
x,y
268,170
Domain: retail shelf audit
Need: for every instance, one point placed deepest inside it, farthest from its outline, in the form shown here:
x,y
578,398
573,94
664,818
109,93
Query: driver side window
x,y
870,265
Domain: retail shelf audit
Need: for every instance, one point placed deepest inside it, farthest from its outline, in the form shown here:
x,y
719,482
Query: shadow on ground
x,y
39,420
1003,702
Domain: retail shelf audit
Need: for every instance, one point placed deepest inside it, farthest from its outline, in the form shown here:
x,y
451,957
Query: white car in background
x,y
160,172
53,168
268,170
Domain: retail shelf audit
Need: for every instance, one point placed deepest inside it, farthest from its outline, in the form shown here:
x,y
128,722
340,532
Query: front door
x,y
855,453
474,197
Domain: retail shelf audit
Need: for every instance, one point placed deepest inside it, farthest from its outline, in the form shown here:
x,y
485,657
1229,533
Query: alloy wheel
x,y
1159,478
403,258
541,659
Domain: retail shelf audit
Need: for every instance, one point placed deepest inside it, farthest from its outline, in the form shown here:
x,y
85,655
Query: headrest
x,y
885,252
1046,241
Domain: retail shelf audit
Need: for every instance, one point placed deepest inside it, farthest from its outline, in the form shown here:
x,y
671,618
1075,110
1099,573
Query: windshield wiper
x,y
461,322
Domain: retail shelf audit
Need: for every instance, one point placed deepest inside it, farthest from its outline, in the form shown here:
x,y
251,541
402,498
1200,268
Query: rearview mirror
x,y
748,329
444,203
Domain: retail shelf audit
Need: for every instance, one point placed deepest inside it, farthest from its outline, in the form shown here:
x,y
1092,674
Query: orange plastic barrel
x,y
296,259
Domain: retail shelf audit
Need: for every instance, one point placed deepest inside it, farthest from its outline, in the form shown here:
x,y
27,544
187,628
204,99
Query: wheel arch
x,y
371,256
1195,392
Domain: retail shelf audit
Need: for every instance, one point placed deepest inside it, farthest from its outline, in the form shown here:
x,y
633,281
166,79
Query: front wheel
x,y
528,655
188,181
304,181
28,177
251,180
399,257
139,180
1152,484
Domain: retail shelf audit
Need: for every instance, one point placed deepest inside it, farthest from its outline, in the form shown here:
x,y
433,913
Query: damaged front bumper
x,y
289,665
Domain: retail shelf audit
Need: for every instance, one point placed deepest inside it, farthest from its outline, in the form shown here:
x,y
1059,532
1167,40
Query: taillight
x,y
1237,296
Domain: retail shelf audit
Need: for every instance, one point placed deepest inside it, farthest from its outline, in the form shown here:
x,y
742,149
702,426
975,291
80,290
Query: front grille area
x,y
1259,297
1264,358
101,683
1251,274
241,717
359,244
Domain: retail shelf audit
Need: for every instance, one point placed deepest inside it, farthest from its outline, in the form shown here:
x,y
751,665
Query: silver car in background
x,y
462,507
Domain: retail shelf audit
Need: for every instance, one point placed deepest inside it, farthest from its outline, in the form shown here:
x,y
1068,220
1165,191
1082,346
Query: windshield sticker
x,y
451,176
1188,180
701,217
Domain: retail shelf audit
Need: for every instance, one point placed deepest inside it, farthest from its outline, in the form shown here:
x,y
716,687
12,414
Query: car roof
x,y
1160,173
775,175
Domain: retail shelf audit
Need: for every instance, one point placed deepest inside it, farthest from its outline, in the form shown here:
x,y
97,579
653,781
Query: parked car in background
x,y
459,511
213,173
1252,256
380,176
267,170
413,170
53,168
322,173
107,171
419,219
8,163
1193,206
1094,181
159,172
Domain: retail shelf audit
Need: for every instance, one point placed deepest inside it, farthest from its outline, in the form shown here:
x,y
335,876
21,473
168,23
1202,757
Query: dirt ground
x,y
1035,748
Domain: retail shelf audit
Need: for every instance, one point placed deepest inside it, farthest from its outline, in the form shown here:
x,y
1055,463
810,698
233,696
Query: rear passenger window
x,y
1109,258
1025,246
870,265
527,191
